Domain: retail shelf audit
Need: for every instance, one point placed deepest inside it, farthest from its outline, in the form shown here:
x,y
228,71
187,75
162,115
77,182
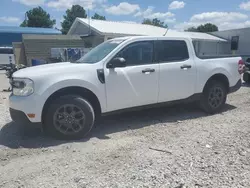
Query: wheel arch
x,y
218,77
74,90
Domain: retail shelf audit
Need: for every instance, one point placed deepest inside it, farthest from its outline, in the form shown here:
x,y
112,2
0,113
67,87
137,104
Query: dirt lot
x,y
168,147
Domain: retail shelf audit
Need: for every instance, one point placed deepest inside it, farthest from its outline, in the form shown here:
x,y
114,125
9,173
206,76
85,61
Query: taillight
x,y
241,66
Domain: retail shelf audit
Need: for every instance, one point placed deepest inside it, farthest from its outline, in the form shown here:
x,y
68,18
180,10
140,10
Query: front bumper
x,y
32,104
235,87
18,116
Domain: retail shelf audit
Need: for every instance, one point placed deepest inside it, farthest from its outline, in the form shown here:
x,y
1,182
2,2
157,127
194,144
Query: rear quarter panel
x,y
206,68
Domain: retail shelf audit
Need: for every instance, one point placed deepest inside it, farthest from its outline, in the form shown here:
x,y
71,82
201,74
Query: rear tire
x,y
213,97
69,117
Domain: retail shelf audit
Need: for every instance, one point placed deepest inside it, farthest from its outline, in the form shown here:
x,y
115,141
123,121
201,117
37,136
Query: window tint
x,y
138,53
172,50
6,51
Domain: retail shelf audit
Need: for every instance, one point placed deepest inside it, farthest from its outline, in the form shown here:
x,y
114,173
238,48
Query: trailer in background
x,y
6,56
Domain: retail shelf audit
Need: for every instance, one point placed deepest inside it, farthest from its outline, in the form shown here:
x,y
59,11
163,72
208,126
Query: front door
x,y
177,77
137,83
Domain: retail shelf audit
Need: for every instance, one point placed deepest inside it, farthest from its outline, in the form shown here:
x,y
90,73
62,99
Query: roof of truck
x,y
115,28
167,36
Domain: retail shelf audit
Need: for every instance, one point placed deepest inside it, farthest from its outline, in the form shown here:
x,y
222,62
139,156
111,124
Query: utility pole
x,y
26,19
89,22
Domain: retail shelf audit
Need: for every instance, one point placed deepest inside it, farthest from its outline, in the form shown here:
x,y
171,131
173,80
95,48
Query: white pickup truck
x,y
119,74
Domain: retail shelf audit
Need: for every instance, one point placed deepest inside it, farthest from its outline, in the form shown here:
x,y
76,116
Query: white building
x,y
239,40
98,31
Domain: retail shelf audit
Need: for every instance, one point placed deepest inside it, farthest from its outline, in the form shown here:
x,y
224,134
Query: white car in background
x,y
121,74
6,56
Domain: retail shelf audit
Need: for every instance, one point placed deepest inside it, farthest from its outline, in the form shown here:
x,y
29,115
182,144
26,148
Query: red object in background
x,y
241,66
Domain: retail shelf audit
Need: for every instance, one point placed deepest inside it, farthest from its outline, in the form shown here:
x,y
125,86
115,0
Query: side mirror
x,y
116,62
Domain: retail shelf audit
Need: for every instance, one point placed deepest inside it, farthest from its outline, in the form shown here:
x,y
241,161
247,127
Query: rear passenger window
x,y
172,50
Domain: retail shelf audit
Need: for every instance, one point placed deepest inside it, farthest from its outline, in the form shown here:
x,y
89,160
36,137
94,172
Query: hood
x,y
49,69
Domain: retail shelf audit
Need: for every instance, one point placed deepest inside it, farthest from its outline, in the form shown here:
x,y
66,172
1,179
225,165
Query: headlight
x,y
22,86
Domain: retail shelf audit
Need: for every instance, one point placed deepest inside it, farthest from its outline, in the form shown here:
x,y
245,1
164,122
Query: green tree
x,y
76,11
37,17
192,29
208,27
98,17
155,22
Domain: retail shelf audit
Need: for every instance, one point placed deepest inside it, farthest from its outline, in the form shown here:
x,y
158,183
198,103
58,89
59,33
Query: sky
x,y
178,15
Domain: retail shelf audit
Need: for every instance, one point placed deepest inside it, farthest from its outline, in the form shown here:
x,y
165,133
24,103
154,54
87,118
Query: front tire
x,y
214,97
69,117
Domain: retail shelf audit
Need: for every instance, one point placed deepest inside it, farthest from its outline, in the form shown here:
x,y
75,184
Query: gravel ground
x,y
173,147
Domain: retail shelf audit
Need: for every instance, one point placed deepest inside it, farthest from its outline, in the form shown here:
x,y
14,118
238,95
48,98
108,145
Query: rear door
x,y
137,83
177,70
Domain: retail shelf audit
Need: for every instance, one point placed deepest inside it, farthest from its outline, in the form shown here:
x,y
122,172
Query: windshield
x,y
100,52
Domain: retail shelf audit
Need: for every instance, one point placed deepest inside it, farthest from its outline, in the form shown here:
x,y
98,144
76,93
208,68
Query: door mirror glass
x,y
116,62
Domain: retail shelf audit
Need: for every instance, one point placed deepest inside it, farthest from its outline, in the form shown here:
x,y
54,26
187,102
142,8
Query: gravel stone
x,y
190,149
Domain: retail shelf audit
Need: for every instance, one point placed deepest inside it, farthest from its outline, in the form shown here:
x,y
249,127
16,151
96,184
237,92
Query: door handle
x,y
186,67
148,70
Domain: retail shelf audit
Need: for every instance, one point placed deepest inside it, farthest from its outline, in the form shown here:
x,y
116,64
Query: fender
x,y
45,92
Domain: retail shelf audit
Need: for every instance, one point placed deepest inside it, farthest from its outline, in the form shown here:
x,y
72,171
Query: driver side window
x,y
138,53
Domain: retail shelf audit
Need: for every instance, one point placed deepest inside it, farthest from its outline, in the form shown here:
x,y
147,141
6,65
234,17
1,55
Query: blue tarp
x,y
14,34
28,30
6,39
